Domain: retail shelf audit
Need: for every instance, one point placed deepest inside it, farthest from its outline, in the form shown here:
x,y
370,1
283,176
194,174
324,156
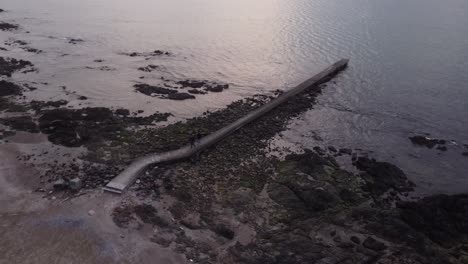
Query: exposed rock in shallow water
x,y
9,88
9,66
74,40
7,26
149,68
425,141
149,89
180,96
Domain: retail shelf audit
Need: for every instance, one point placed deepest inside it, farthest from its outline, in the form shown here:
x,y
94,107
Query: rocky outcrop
x,y
382,176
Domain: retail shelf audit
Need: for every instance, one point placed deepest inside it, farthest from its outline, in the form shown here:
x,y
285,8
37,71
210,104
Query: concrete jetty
x,y
130,174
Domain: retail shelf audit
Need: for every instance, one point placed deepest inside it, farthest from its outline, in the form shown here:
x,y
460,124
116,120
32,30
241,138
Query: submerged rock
x,y
425,141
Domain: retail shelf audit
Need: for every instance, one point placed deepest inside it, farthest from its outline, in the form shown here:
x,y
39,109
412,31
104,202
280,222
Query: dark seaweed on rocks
x,y
149,68
164,93
148,54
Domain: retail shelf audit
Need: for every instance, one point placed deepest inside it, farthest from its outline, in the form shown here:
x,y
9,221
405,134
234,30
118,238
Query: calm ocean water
x,y
408,71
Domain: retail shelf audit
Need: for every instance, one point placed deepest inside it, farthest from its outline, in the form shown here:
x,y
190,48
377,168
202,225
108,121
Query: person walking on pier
x,y
199,136
192,141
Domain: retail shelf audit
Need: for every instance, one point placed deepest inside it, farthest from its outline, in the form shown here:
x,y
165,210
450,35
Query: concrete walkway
x,y
129,175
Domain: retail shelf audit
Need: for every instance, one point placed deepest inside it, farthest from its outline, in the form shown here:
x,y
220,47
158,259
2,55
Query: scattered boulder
x,y
75,184
60,184
425,141
9,88
223,231
122,112
373,244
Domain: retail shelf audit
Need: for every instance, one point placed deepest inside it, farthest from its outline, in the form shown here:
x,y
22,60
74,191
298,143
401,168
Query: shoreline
x,y
233,204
